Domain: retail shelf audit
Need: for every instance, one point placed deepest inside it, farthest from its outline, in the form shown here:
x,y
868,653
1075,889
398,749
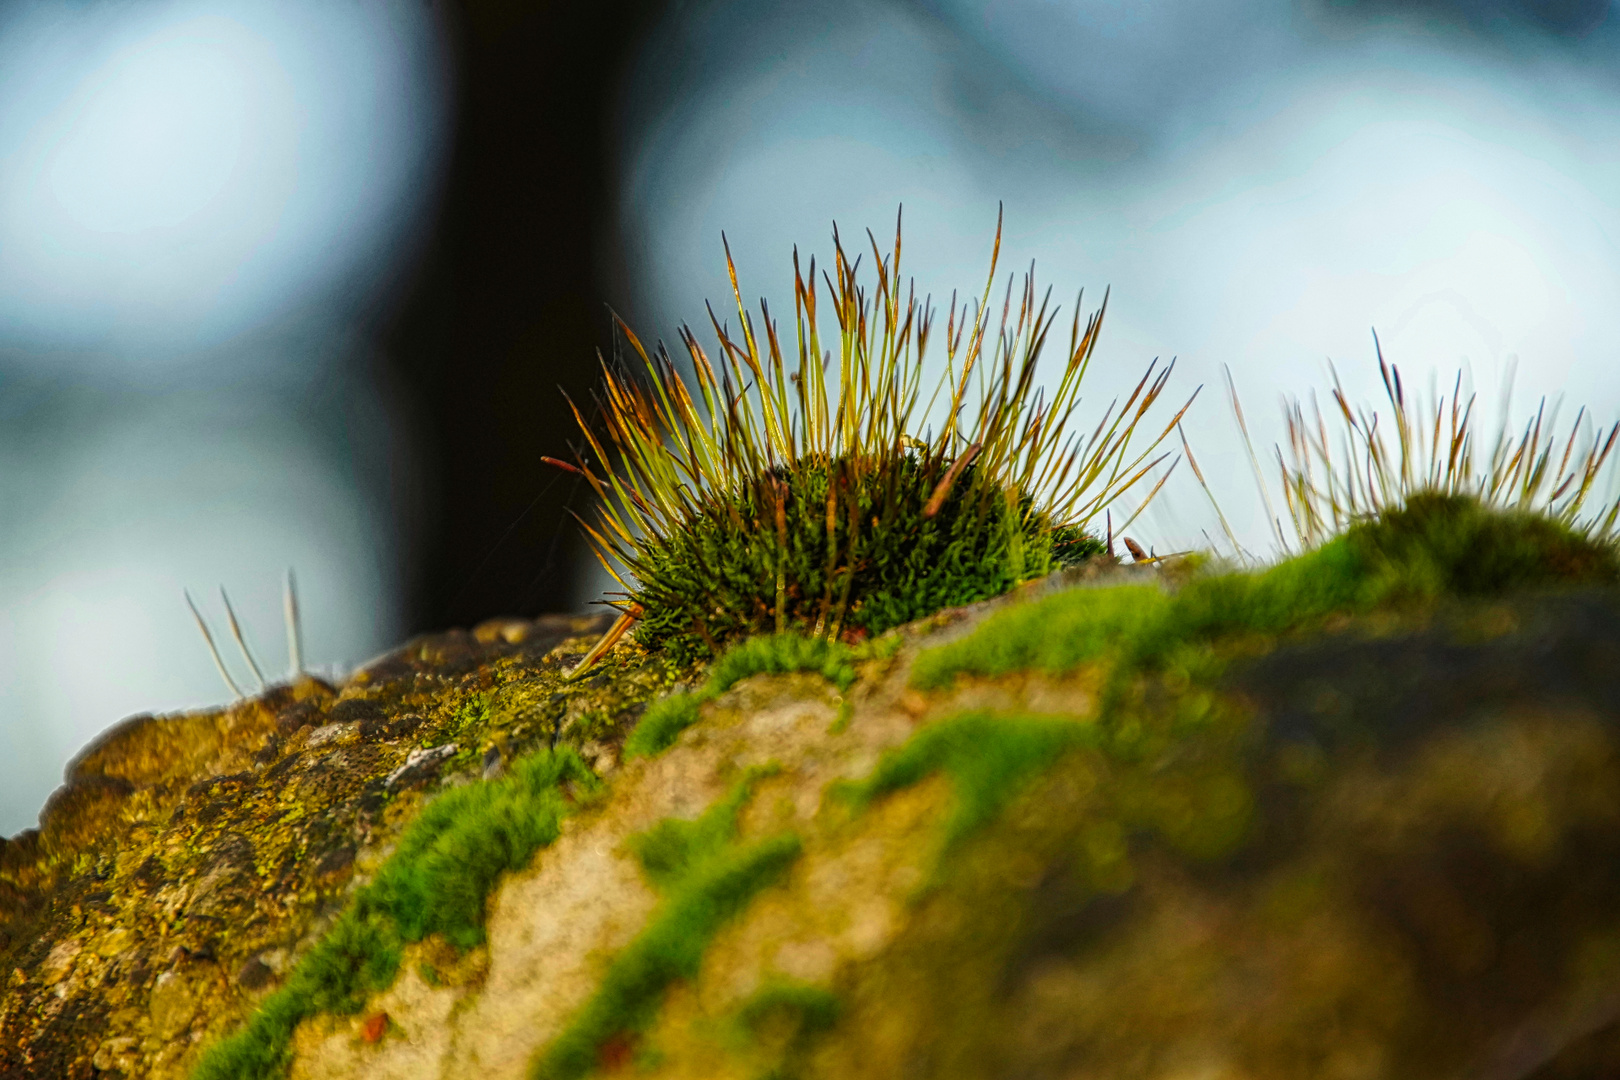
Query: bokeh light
x,y
202,203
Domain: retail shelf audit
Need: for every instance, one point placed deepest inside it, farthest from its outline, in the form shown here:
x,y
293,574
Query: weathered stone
x,y
1395,852
187,857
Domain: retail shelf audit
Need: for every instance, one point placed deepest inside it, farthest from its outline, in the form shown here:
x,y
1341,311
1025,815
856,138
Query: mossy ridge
x,y
436,882
707,878
775,654
1433,546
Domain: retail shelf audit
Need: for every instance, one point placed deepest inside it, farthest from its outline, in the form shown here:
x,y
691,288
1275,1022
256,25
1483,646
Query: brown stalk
x,y
943,489
627,618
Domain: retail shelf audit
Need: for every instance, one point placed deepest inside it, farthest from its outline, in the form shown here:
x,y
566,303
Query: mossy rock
x,y
1357,816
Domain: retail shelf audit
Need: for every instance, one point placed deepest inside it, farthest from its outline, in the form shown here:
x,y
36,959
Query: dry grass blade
x,y
213,650
1226,527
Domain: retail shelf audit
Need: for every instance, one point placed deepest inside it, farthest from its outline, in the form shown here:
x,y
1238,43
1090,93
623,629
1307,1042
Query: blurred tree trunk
x,y
509,306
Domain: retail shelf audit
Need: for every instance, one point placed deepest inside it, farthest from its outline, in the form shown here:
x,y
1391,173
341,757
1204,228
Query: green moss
x,y
781,1022
1454,545
661,724
672,849
768,496
1434,546
1197,801
664,720
706,878
436,882
471,718
715,580
1163,656
987,757
808,1009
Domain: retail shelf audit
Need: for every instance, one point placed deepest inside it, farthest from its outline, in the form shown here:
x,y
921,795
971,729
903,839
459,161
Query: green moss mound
x,y
437,882
1455,545
1431,547
829,544
707,878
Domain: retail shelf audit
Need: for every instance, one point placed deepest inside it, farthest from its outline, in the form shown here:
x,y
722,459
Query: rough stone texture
x,y
187,860
1395,854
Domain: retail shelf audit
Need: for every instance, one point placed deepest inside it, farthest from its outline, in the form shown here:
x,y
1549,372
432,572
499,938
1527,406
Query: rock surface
x,y
188,859
1394,852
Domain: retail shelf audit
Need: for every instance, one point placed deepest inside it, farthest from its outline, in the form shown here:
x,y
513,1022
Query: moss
x,y
604,707
673,848
986,756
1454,545
809,1009
707,878
784,1018
776,499
664,720
436,882
1165,652
715,580
1434,546
470,718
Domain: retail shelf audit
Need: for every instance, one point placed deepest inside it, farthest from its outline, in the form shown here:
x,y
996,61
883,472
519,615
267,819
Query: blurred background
x,y
301,283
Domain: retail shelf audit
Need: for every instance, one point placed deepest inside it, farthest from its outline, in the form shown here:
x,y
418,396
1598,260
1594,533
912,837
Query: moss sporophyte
x,y
781,500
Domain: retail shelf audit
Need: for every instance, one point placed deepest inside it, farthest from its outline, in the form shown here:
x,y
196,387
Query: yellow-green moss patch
x,y
987,757
770,654
437,881
707,878
1434,546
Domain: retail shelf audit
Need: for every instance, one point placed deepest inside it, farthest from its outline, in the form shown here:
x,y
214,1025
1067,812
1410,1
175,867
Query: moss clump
x,y
1455,545
437,881
801,496
1433,546
987,757
707,878
715,579
665,719
1372,464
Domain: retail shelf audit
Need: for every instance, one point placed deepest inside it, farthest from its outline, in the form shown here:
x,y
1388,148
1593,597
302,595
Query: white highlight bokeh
x,y
96,629
175,173
202,205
